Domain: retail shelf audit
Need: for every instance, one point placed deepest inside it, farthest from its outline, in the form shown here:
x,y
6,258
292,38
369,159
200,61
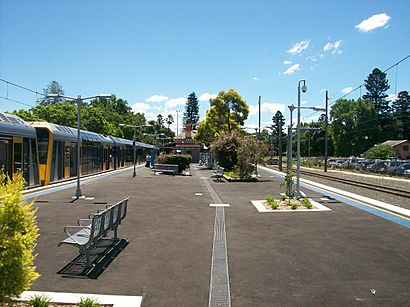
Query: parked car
x,y
399,171
407,173
377,167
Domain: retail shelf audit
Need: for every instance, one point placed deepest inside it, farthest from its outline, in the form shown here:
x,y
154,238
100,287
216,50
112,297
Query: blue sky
x,y
154,53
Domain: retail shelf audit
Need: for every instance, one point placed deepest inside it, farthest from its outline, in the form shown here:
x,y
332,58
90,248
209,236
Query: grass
x,y
232,174
39,301
271,202
306,202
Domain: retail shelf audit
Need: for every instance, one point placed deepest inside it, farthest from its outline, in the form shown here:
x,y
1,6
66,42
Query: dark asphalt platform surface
x,y
299,259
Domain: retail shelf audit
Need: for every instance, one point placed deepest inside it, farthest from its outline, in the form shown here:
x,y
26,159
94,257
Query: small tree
x,y
18,234
54,87
250,152
289,184
380,151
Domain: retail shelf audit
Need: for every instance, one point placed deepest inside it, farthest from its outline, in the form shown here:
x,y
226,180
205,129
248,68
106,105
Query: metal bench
x,y
91,234
166,168
217,173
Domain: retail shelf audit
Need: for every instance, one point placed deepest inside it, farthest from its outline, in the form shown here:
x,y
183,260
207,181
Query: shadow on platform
x,y
101,257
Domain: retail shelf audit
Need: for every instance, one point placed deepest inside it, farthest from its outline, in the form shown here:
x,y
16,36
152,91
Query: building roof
x,y
394,143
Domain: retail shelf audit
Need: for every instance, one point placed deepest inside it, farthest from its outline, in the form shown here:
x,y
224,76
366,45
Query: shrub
x,y
18,234
88,302
283,197
294,206
250,152
182,161
225,149
39,301
232,174
306,202
271,202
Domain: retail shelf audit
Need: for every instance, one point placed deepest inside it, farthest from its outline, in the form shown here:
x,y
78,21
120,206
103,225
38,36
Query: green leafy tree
x,y
381,151
277,124
227,113
353,126
18,234
52,88
192,110
376,86
401,115
62,113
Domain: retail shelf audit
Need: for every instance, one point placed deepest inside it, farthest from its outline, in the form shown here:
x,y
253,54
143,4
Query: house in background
x,y
185,143
401,147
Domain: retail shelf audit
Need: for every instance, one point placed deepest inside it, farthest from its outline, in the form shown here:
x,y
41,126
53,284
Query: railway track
x,y
370,186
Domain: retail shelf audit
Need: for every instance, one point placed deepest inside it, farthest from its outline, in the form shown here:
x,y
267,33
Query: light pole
x,y
79,101
177,111
133,142
289,167
304,89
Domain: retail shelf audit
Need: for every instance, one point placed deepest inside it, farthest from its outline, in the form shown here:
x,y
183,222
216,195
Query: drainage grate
x,y
219,292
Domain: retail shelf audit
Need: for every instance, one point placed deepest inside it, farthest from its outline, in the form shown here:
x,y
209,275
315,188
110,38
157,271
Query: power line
x,y
22,87
16,101
363,84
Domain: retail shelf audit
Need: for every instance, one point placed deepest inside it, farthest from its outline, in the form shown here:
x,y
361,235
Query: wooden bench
x,y
166,168
217,173
97,226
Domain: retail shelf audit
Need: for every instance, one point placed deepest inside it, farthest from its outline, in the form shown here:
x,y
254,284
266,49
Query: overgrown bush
x,y
18,234
182,161
289,184
225,150
250,152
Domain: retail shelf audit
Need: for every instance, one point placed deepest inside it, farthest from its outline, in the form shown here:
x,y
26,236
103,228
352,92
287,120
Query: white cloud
x,y
373,22
297,48
286,62
255,78
157,98
174,102
271,107
333,48
347,90
391,97
312,58
206,96
140,107
292,69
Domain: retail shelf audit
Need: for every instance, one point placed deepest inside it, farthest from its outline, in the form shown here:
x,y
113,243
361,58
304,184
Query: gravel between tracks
x,y
388,198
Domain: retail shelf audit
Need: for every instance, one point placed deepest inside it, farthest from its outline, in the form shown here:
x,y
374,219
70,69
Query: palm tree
x,y
170,120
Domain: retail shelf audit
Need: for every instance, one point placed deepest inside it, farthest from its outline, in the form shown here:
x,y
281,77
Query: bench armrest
x,y
70,235
84,220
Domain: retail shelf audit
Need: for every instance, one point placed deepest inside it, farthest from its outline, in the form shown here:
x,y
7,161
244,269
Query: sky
x,y
155,53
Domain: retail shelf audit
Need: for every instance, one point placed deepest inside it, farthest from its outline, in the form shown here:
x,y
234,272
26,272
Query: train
x,y
47,153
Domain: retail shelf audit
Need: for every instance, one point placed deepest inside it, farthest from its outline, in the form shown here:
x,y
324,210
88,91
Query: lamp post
x,y
304,89
289,162
133,142
79,101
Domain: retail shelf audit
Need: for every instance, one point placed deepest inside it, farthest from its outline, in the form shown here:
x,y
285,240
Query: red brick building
x,y
401,147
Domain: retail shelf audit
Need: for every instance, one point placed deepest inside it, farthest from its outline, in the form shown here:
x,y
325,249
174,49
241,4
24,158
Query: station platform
x,y
343,257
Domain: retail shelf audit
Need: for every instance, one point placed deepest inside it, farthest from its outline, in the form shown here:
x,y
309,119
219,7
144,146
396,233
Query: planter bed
x,y
261,206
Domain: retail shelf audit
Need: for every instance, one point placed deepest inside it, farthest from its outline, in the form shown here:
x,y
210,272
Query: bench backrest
x,y
166,166
123,209
97,226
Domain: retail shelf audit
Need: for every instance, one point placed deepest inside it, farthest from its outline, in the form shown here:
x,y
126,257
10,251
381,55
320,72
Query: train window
x,y
5,155
17,156
42,137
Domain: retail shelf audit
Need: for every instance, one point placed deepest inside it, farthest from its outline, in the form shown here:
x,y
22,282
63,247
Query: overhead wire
x,y
16,101
363,84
